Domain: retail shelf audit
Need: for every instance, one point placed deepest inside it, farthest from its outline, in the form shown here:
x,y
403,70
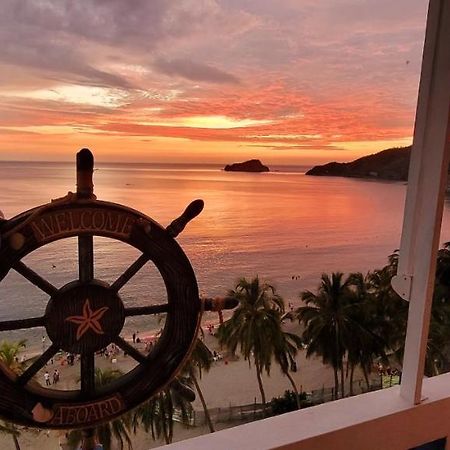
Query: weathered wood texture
x,y
87,314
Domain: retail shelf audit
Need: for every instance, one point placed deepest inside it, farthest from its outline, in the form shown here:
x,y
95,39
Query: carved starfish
x,y
89,320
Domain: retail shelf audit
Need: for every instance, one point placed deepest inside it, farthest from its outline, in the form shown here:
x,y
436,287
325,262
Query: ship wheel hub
x,y
84,317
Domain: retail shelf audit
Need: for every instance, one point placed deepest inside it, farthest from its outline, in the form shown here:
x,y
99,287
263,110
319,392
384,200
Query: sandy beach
x,y
230,382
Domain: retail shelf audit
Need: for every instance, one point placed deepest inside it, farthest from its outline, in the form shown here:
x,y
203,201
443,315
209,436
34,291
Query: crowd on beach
x,y
111,353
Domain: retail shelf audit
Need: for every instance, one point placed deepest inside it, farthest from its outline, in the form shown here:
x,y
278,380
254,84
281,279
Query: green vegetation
x,y
156,415
9,356
361,320
390,164
328,322
288,402
255,327
117,430
159,414
200,360
285,349
341,323
350,322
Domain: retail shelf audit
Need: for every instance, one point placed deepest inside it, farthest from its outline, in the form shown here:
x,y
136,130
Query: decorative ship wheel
x,y
87,314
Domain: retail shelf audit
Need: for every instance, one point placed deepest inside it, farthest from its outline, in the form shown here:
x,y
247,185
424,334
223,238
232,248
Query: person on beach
x,y
134,338
47,379
55,376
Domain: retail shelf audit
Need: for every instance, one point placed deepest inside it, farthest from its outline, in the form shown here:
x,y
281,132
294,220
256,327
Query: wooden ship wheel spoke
x,y
21,324
130,273
37,365
87,374
87,314
34,278
129,349
86,258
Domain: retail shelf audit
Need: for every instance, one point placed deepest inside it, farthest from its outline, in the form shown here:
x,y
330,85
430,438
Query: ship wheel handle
x,y
87,314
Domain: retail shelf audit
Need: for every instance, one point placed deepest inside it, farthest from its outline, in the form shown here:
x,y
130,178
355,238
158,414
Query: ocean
x,y
283,226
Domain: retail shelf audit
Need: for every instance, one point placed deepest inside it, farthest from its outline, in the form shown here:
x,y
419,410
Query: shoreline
x,y
231,382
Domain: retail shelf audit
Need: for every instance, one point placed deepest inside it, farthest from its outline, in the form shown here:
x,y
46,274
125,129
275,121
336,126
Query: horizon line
x,y
138,162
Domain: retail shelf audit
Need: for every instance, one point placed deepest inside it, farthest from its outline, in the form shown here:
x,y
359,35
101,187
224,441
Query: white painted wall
x,y
374,421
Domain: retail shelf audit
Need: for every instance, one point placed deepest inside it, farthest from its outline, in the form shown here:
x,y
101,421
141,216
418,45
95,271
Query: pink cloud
x,y
346,72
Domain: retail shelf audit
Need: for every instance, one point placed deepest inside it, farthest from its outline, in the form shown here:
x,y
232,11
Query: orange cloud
x,y
284,80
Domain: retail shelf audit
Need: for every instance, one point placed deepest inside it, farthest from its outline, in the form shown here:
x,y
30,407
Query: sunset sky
x,y
286,81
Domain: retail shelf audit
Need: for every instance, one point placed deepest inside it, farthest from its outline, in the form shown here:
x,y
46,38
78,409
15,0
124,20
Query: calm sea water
x,y
286,227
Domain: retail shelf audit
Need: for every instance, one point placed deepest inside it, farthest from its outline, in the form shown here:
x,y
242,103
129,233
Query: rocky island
x,y
253,165
390,164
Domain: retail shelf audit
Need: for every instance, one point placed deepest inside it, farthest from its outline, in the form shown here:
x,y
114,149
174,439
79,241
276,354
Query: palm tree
x,y
9,352
388,311
285,351
117,429
158,414
439,335
200,360
327,323
357,348
392,311
254,326
365,344
436,358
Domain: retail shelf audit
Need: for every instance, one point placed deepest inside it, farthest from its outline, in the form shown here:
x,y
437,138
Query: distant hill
x,y
390,164
254,165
